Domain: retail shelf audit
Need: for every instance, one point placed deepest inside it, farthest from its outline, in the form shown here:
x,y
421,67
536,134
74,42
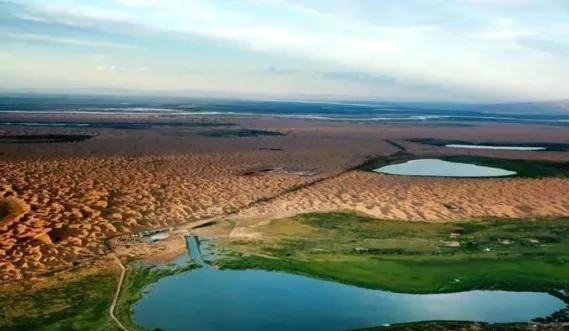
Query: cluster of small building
x,y
154,234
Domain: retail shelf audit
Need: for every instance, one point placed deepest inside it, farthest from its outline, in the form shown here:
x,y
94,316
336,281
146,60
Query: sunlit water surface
x,y
506,148
440,168
211,299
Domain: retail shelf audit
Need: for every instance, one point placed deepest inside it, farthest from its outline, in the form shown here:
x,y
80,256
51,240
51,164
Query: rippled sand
x,y
431,199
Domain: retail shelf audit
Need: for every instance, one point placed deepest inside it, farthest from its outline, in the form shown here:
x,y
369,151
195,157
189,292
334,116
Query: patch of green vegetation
x,y
139,277
413,257
453,325
524,168
240,132
80,304
552,147
373,163
44,138
119,125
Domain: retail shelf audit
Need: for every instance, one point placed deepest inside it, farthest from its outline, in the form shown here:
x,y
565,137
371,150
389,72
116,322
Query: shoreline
x,y
168,271
544,321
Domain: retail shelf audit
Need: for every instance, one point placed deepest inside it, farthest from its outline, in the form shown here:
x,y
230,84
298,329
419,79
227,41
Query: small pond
x,y
506,148
441,168
211,299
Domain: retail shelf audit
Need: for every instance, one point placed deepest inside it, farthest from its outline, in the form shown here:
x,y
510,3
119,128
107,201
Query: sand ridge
x,y
430,199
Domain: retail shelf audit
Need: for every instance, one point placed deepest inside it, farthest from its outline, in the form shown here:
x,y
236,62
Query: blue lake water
x,y
211,299
440,168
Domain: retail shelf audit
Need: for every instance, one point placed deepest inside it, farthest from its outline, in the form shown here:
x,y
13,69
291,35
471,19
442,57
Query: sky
x,y
395,50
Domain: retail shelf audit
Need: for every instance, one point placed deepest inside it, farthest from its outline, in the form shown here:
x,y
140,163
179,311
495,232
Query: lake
x,y
506,148
441,168
211,299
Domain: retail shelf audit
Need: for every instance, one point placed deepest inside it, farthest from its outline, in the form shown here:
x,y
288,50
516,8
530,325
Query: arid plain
x,y
60,201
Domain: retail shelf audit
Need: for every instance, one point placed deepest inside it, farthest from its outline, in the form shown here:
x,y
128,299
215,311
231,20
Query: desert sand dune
x,y
431,199
60,201
76,204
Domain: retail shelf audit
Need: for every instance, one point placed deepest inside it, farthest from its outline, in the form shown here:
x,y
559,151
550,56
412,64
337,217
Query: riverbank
x,y
410,257
139,278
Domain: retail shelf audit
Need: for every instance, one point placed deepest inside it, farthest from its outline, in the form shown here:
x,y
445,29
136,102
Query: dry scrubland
x,y
60,201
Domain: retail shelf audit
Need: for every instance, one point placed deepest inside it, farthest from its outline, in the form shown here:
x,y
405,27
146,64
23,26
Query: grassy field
x,y
239,132
524,168
45,138
552,147
413,257
79,304
461,326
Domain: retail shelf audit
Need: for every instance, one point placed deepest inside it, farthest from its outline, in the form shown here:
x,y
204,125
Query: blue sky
x,y
412,50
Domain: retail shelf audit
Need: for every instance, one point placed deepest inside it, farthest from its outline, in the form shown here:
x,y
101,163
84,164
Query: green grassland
x,y
412,257
44,138
239,132
523,168
462,326
79,304
551,147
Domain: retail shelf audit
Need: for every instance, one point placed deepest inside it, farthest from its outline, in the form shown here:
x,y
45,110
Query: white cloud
x,y
503,29
65,40
107,68
487,46
110,68
502,34
141,2
88,11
